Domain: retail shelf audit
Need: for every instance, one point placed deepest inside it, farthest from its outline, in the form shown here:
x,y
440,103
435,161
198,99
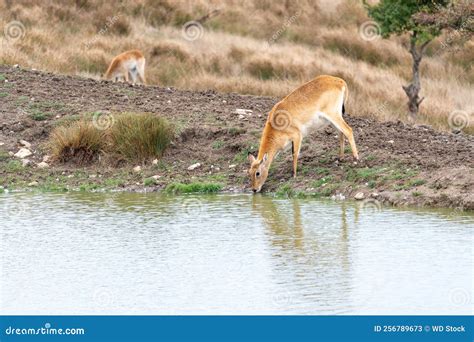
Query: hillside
x,y
250,47
400,164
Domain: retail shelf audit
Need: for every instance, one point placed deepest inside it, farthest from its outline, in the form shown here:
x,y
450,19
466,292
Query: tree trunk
x,y
413,89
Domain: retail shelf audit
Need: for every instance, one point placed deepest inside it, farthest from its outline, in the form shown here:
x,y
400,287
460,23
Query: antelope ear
x,y
250,157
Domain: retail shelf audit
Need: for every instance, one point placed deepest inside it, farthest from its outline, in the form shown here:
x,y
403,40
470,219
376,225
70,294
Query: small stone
x,y
16,66
155,162
374,195
25,162
156,177
359,196
42,165
46,158
70,176
338,197
137,168
232,166
34,183
194,166
2,143
224,101
25,143
390,141
243,111
92,176
11,154
23,153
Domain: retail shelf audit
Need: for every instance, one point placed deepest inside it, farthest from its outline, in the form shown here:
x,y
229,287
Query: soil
x,y
400,164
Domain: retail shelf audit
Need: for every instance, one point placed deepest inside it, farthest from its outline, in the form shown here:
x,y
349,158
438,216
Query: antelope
x,y
129,66
313,105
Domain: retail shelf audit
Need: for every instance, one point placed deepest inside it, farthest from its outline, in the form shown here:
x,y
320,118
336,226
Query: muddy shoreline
x,y
400,164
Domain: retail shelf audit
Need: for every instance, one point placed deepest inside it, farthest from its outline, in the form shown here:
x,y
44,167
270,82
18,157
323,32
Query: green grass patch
x,y
217,144
149,181
181,188
2,77
13,166
3,94
320,182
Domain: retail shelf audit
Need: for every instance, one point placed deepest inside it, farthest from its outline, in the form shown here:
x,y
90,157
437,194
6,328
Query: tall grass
x,y
233,53
134,137
139,136
79,142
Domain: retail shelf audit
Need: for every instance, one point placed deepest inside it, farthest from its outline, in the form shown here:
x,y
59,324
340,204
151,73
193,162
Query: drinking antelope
x,y
312,106
129,66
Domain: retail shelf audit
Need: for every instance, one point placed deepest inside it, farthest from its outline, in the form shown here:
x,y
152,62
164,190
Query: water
x,y
83,253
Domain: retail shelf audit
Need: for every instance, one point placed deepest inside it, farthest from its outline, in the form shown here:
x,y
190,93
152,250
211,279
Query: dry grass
x,y
137,137
79,142
307,37
132,137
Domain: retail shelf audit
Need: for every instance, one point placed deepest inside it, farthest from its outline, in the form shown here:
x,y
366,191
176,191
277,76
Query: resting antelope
x,y
129,65
313,105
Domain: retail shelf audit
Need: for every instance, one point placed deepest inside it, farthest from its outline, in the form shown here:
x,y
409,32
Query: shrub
x,y
139,136
79,141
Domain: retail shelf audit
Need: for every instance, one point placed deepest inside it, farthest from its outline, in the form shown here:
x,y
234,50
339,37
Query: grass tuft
x,y
78,141
140,136
181,188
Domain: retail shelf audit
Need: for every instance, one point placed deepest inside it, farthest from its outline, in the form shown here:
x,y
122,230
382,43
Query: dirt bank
x,y
400,164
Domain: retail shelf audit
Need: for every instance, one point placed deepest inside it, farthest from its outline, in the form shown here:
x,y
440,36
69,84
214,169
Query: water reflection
x,y
148,253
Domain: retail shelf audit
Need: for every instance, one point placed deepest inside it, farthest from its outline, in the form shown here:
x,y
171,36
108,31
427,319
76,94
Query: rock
x,y
243,111
70,176
359,196
25,162
155,162
34,183
374,195
92,176
11,154
23,153
46,158
232,166
137,168
194,166
16,66
156,177
241,116
224,101
390,141
42,165
2,143
25,143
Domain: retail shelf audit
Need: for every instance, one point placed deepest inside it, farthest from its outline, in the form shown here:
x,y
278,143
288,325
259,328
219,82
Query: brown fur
x,y
120,66
324,96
